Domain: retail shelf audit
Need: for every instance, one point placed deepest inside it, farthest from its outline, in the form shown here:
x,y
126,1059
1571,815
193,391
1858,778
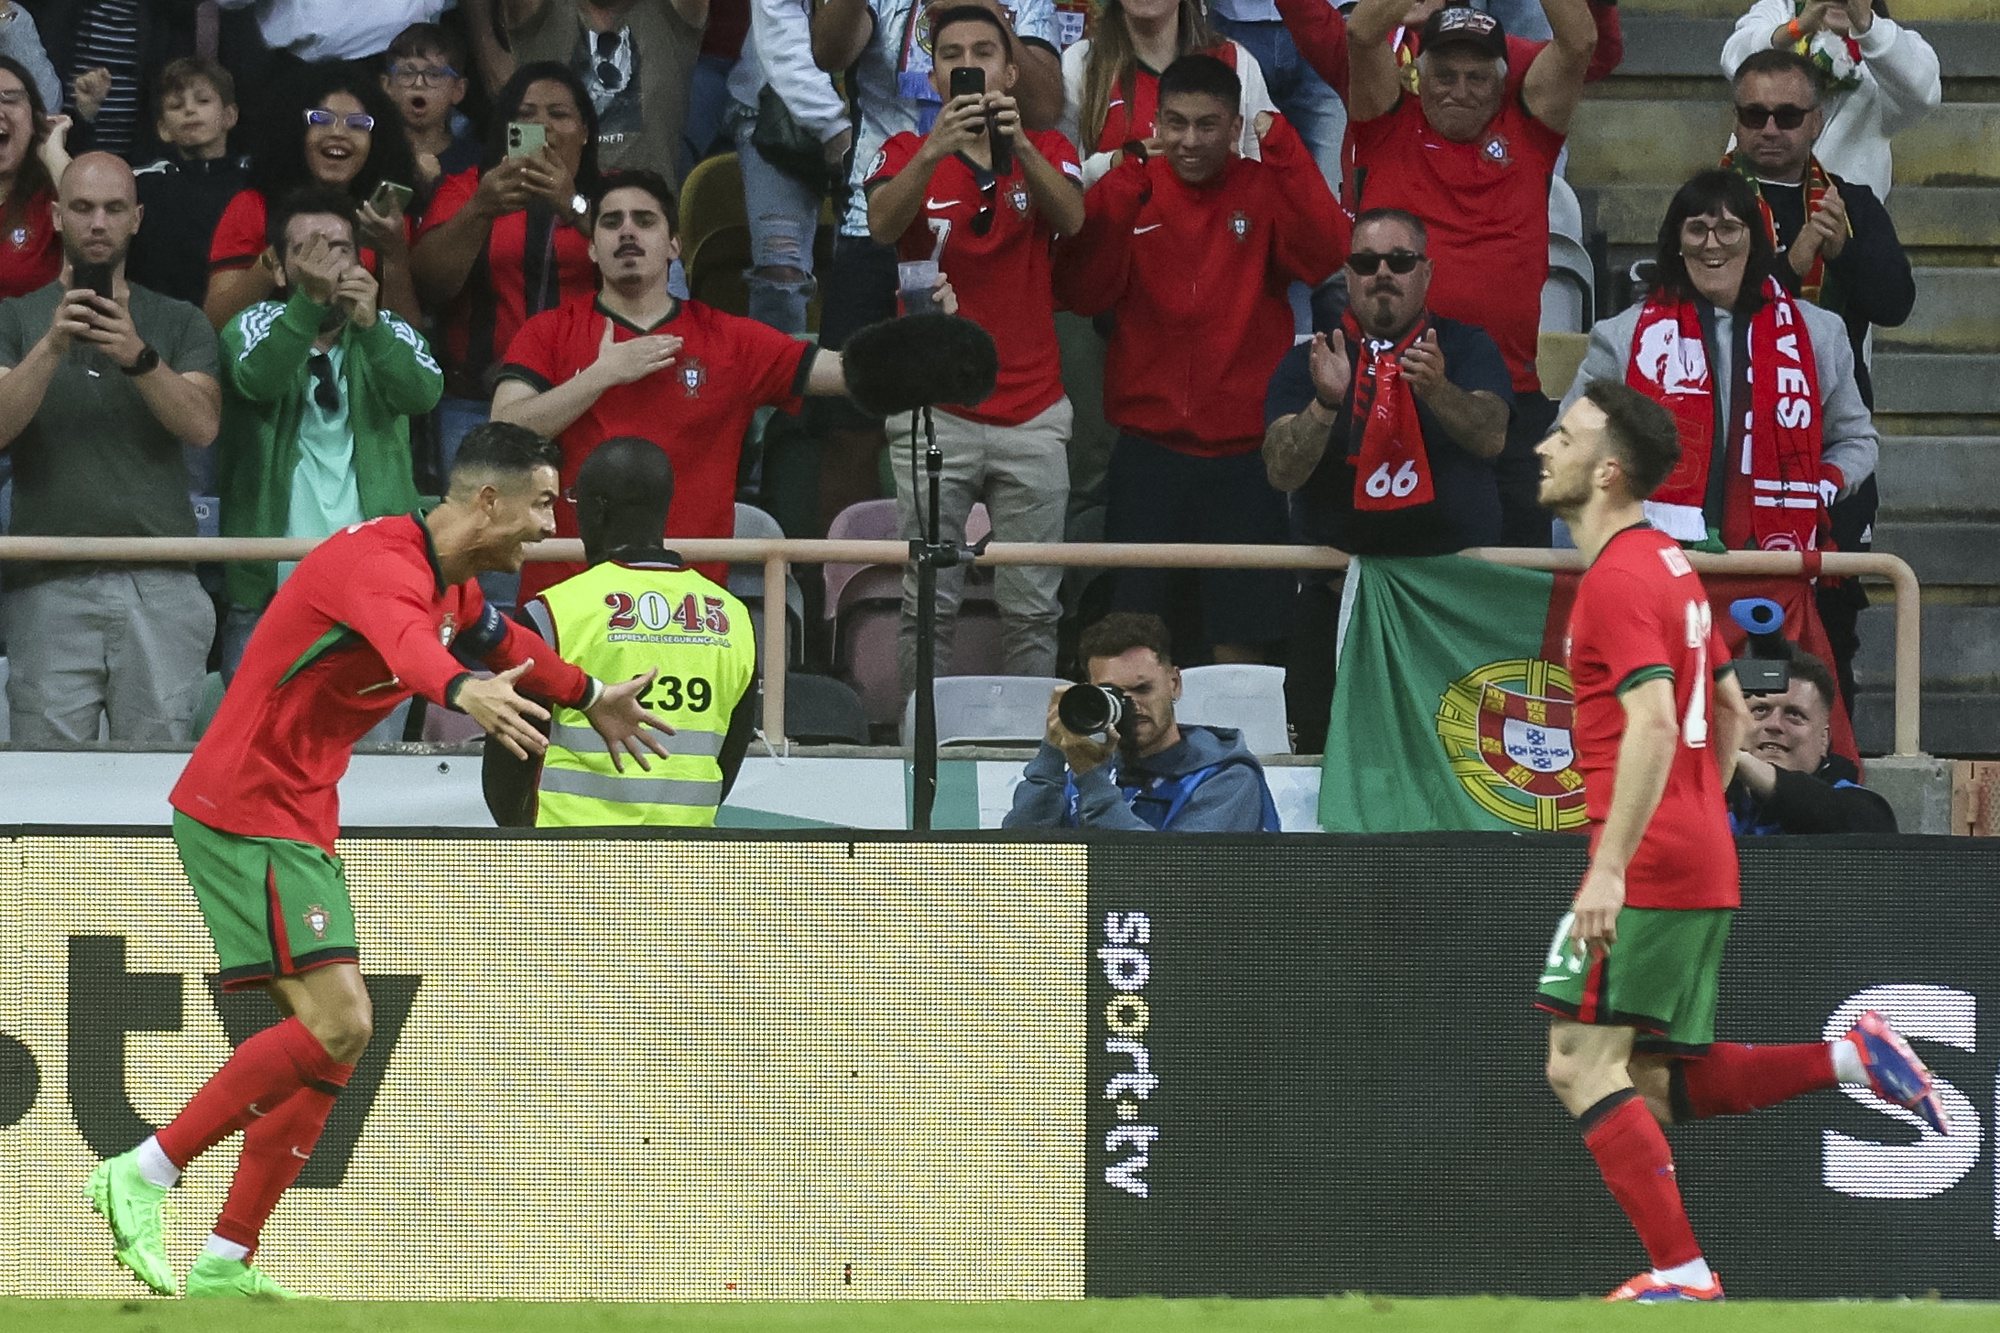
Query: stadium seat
x,y
1558,356
746,580
207,515
715,234
988,710
1569,297
6,724
820,710
1240,695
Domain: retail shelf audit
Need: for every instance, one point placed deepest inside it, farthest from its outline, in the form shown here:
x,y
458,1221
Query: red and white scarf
x,y
1774,500
1385,441
1817,184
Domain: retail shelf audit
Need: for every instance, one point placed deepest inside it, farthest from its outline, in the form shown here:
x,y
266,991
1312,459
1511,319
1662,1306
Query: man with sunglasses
x,y
1837,248
319,385
1473,160
1384,434
990,224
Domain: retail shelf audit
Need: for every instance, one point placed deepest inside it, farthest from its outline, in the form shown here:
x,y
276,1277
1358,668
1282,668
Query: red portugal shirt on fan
x,y
1641,614
240,235
696,410
363,623
1486,205
511,281
1002,276
30,254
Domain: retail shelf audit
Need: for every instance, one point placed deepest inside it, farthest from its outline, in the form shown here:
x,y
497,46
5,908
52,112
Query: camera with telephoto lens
x,y
1766,665
1089,710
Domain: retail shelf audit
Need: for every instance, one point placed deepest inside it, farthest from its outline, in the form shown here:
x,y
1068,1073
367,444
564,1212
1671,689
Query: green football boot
x,y
213,1275
133,1205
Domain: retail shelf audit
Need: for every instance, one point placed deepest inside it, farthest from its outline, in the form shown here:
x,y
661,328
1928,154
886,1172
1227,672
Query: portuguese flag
x,y
1452,707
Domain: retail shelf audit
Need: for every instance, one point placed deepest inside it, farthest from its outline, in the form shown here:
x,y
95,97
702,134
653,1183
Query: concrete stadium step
x,y
1928,476
1685,46
1955,312
1944,553
1961,647
1621,141
1927,218
1919,12
1936,383
1955,724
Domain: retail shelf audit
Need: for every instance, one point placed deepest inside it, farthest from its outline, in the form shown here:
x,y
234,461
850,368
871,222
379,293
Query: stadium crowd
x,y
1256,272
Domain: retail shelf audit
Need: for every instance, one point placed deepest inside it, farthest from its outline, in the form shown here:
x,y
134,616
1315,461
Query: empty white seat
x,y
1247,697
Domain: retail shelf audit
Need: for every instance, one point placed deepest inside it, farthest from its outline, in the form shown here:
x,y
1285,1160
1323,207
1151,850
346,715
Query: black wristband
x,y
451,689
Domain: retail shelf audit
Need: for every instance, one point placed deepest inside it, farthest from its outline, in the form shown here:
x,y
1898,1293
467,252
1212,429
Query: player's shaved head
x,y
501,455
623,492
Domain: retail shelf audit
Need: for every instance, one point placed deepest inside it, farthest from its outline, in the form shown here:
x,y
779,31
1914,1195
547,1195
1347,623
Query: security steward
x,y
635,608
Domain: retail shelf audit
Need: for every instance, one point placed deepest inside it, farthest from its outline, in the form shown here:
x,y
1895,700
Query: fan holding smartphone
x,y
982,199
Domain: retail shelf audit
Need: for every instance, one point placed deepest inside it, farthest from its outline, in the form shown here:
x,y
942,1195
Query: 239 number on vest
x,y
675,693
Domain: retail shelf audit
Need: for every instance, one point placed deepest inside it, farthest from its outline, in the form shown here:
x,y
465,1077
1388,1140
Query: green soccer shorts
x,y
274,907
1659,978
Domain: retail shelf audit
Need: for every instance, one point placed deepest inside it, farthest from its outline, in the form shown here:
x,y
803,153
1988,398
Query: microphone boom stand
x,y
930,554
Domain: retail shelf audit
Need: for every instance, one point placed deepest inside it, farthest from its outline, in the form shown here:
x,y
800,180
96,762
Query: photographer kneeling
x,y
1787,781
1139,769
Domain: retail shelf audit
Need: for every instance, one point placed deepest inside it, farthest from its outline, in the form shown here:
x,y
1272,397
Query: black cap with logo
x,y
1461,25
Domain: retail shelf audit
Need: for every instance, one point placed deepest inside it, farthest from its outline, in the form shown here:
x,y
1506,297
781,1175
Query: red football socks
x,y
1732,1080
264,1072
275,1149
1638,1167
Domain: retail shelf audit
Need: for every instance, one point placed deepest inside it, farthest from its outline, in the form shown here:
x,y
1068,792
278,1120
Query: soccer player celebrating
x,y
377,613
1659,719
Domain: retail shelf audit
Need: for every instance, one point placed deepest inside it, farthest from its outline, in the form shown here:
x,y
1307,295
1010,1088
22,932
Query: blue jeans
x,y
1314,109
708,107
1521,18
784,215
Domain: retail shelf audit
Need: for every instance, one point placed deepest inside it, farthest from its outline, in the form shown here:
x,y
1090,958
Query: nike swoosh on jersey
x,y
1151,226
939,203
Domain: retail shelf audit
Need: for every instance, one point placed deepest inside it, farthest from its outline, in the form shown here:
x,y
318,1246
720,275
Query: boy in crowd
x,y
423,73
185,191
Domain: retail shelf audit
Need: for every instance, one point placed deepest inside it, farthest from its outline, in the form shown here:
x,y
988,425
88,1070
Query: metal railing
x,y
777,555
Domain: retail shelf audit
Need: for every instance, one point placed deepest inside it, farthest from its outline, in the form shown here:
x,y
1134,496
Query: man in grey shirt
x,y
97,396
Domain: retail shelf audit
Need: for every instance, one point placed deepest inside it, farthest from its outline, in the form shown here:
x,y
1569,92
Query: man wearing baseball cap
x,y
1474,163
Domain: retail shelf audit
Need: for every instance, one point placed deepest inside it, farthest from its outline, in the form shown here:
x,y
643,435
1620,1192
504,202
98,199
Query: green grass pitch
x,y
1363,1314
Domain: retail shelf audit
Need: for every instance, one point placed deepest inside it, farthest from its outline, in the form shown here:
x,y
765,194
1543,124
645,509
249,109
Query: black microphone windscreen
x,y
899,365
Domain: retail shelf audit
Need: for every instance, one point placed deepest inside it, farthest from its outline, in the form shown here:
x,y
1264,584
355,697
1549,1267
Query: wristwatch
x,y
145,363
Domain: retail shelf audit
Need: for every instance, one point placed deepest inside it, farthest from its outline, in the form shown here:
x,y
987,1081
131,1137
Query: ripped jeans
x,y
783,217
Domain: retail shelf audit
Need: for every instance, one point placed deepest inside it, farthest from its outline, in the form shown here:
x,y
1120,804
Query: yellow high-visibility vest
x,y
615,621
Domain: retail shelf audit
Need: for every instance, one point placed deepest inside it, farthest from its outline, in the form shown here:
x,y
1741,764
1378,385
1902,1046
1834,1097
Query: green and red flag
x,y
1452,707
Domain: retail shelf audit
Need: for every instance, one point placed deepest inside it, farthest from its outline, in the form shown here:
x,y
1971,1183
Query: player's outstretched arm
x,y
619,716
501,713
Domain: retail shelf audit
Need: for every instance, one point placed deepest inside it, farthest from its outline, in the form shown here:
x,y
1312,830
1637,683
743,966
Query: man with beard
x,y
1420,405
321,388
1145,771
101,382
633,360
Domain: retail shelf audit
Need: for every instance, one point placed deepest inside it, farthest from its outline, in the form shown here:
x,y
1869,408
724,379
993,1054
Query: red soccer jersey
x,y
361,625
1129,118
240,235
505,287
696,409
1002,278
1198,276
1486,204
30,257
1641,613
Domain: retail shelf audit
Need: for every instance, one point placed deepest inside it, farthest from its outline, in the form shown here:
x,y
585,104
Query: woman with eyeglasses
x,y
341,132
1761,383
31,158
508,239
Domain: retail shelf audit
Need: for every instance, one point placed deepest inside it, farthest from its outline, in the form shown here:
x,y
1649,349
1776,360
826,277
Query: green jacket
x,y
389,376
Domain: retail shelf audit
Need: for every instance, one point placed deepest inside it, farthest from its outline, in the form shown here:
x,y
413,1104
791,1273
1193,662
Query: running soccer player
x,y
377,613
1631,974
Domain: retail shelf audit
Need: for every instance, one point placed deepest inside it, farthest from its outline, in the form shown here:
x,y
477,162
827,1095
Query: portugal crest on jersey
x,y
1239,225
1497,150
1018,197
447,628
19,236
1507,730
693,375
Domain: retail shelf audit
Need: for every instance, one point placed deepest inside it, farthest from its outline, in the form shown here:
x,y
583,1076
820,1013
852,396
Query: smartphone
x,y
526,137
390,197
968,81
92,277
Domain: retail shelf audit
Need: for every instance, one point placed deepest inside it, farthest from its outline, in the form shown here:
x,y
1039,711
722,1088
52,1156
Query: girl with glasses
x,y
339,131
